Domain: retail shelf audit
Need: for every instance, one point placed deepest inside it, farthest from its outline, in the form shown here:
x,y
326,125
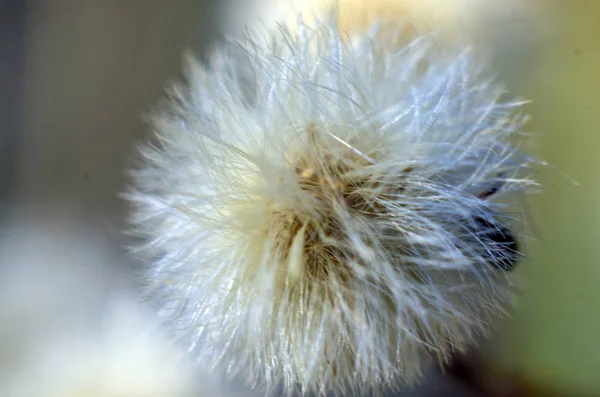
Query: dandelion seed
x,y
323,212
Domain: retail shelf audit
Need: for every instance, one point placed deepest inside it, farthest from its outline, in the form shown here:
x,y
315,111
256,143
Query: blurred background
x,y
76,76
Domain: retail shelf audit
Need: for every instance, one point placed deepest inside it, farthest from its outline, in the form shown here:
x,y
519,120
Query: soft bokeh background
x,y
75,76
555,339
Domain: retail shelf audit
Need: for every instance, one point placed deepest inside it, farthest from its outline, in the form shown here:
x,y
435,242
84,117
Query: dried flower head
x,y
320,210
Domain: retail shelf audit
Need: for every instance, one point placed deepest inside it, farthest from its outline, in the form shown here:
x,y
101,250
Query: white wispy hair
x,y
316,208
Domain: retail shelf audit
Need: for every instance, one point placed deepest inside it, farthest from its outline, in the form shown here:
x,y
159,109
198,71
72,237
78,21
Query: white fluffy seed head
x,y
318,208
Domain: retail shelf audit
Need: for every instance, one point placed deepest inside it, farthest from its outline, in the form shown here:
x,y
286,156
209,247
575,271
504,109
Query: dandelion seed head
x,y
330,212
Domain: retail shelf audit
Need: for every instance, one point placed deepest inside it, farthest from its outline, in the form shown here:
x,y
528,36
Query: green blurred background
x,y
555,337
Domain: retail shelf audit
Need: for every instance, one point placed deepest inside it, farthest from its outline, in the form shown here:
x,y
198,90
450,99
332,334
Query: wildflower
x,y
322,211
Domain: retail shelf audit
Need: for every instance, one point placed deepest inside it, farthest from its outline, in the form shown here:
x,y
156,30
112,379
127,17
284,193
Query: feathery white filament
x,y
313,208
